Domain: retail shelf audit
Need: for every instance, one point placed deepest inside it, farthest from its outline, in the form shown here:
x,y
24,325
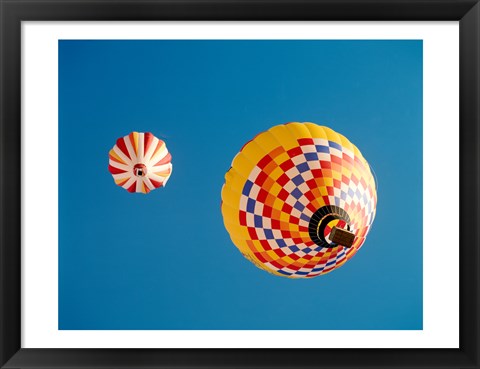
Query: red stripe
x,y
264,161
283,179
252,233
286,233
294,152
286,208
165,160
325,164
294,257
317,173
305,141
297,241
311,183
294,267
267,211
293,219
275,224
286,165
358,161
283,194
156,184
265,244
262,176
260,257
262,195
279,252
114,170
310,195
347,158
132,187
132,141
276,264
123,148
312,208
336,159
242,216
147,141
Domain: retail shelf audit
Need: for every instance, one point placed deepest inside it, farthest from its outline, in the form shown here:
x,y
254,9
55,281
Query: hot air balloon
x,y
140,162
299,200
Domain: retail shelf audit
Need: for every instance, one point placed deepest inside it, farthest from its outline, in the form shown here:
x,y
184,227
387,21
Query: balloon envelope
x,y
140,162
287,193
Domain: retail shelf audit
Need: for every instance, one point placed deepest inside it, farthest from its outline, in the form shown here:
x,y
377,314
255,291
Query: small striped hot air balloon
x,y
140,162
299,200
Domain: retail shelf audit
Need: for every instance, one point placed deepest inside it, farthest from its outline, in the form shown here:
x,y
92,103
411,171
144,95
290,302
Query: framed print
x,y
232,184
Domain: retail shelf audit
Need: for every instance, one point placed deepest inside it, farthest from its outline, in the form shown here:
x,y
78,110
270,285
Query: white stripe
x,y
157,178
159,155
122,155
139,187
148,183
130,149
160,168
140,147
150,150
117,165
122,175
167,178
129,182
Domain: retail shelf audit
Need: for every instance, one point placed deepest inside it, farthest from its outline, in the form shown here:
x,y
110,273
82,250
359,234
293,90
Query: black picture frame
x,y
13,12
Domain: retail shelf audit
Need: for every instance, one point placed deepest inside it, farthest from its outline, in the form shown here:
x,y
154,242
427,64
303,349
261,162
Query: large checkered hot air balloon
x,y
299,200
140,162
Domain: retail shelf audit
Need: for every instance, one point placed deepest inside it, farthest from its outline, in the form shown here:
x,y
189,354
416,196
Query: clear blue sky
x,y
164,260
